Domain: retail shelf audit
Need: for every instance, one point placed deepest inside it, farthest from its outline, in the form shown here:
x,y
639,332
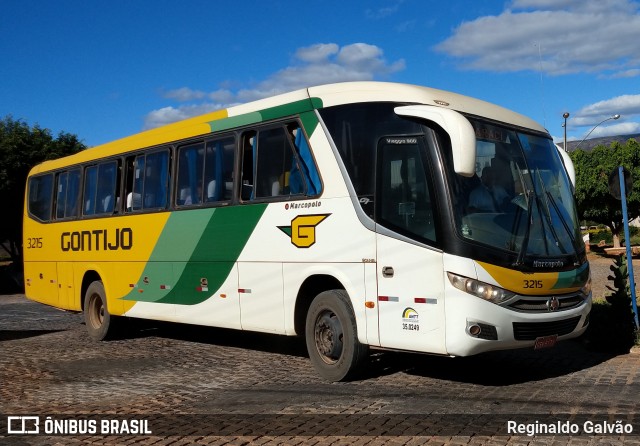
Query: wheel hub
x,y
328,335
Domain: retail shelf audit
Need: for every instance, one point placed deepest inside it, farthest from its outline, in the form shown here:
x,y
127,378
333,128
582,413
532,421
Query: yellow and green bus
x,y
358,215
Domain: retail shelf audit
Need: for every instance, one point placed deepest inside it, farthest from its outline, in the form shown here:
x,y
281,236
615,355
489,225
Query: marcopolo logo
x,y
303,229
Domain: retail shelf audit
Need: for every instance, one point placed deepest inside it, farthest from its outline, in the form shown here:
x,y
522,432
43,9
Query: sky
x,y
106,69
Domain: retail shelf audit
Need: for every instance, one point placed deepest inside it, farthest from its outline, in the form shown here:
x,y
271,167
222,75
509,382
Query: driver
x,y
488,196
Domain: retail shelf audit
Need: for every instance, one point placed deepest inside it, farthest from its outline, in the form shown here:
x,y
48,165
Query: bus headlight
x,y
479,289
586,288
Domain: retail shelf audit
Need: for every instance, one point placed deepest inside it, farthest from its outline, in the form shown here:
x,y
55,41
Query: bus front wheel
x,y
332,338
96,315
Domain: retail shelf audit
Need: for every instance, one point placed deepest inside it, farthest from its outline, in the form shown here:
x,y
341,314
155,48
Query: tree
x,y
593,199
21,148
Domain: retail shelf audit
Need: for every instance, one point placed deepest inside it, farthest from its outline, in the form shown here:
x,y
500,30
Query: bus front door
x,y
410,296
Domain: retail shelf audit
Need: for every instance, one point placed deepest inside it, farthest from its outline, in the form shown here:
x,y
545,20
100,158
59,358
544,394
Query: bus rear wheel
x,y
332,338
96,314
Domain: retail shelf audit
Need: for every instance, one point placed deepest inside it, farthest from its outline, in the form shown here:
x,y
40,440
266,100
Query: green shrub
x,y
596,236
612,325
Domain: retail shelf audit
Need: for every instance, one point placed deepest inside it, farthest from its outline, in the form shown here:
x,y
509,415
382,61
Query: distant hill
x,y
604,141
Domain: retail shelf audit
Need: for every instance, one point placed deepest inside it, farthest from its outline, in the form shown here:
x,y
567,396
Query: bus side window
x,y
61,195
106,188
274,163
138,183
249,147
129,168
305,168
190,167
404,194
277,162
156,182
40,196
147,181
90,186
68,190
100,188
73,193
218,169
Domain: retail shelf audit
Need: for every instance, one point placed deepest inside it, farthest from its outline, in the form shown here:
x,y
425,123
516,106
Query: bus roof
x,y
291,103
335,94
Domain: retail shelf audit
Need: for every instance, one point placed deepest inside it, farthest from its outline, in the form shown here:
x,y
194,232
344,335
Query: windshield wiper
x,y
571,235
525,240
551,200
547,216
572,238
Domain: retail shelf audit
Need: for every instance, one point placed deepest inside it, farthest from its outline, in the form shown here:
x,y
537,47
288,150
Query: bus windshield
x,y
520,198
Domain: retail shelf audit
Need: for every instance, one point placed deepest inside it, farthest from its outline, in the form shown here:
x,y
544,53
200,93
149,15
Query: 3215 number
x,y
34,242
533,284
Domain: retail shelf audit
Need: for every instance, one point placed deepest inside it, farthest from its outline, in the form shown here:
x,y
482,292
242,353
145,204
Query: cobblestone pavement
x,y
200,386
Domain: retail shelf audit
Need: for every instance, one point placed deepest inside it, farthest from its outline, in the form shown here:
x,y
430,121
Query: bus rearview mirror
x,y
463,137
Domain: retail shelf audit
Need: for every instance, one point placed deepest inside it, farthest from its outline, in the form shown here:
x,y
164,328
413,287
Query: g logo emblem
x,y
303,229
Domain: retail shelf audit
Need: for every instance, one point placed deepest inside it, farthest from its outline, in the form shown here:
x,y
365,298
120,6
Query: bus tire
x,y
332,337
96,315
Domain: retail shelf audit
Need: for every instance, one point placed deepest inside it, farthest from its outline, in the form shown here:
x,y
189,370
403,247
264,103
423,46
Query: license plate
x,y
545,342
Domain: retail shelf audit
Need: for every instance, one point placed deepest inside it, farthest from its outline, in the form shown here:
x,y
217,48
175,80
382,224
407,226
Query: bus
x,y
358,215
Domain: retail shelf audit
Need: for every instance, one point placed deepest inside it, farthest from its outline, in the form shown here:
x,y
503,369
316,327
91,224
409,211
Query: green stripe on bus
x,y
195,253
309,122
281,111
571,279
235,121
267,114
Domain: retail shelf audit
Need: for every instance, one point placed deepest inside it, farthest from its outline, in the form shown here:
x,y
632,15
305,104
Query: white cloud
x,y
317,64
318,53
386,11
595,6
324,64
184,94
624,128
594,117
223,96
625,74
627,105
560,36
162,116
167,115
595,130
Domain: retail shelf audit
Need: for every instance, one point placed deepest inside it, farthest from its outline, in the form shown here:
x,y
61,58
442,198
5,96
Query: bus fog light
x,y
474,330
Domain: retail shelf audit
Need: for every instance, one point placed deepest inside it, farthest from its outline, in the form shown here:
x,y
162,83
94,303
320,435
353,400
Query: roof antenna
x,y
544,111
